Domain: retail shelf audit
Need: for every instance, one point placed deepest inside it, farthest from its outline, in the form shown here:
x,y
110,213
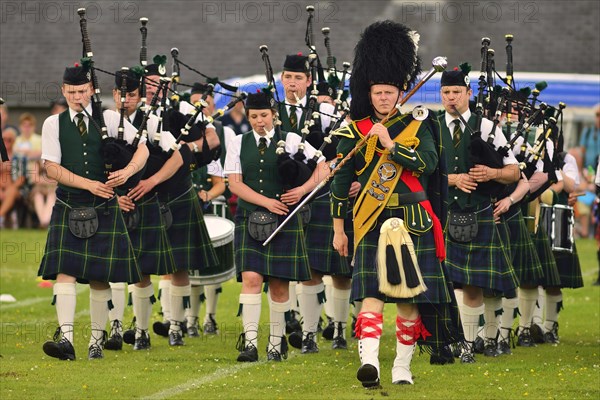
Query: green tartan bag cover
x,y
83,222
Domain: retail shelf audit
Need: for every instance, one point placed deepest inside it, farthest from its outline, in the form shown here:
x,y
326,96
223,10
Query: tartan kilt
x,y
525,260
365,282
569,269
284,257
542,245
190,242
485,261
149,239
319,241
106,257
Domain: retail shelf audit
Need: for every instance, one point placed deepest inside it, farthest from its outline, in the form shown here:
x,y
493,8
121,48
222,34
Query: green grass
x,y
206,367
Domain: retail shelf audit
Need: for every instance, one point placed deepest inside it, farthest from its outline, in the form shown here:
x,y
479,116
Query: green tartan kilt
x,y
485,261
149,239
106,257
542,245
569,268
525,260
319,241
284,257
365,282
190,242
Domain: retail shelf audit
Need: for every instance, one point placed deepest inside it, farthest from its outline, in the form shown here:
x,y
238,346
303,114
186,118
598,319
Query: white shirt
x,y
50,131
486,128
539,165
232,160
570,168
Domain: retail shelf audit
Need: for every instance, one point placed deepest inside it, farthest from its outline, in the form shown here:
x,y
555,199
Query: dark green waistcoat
x,y
80,155
285,119
459,163
259,171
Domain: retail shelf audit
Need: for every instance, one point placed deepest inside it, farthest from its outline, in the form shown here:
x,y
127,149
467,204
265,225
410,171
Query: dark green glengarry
x,y
80,156
458,163
423,159
259,172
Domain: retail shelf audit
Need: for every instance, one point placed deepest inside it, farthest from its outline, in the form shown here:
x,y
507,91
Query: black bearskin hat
x,y
385,54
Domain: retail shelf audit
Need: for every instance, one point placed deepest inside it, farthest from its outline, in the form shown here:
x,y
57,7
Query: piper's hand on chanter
x,y
293,196
143,187
125,203
340,243
100,189
354,189
382,133
482,173
465,183
277,207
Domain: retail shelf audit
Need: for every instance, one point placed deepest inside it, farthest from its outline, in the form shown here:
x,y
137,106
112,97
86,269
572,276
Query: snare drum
x,y
558,221
221,235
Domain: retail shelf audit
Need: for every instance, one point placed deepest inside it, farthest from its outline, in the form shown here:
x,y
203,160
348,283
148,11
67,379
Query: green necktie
x,y
81,125
293,118
457,132
262,145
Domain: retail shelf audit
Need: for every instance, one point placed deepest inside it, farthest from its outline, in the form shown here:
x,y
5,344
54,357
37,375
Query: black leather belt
x,y
400,199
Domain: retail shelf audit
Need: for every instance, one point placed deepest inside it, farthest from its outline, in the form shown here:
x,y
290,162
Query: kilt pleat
x,y
365,282
319,241
542,245
149,239
569,268
525,260
108,256
190,242
285,257
485,261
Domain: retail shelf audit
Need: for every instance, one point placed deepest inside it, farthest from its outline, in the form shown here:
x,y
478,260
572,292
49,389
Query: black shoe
x,y
467,357
115,341
329,329
61,349
248,354
175,338
293,325
193,329
274,355
504,347
490,348
95,352
129,336
478,345
161,328
210,327
537,333
309,345
442,356
143,342
524,338
552,335
295,340
339,343
367,375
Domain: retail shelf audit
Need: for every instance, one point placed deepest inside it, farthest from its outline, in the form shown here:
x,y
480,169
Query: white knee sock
x,y
509,307
212,294
341,307
538,311
119,295
164,295
277,323
552,310
191,314
178,299
328,306
470,321
294,296
527,298
310,307
251,317
492,307
142,307
66,300
98,313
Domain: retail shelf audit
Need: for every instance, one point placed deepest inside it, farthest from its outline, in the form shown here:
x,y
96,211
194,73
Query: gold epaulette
x,y
345,132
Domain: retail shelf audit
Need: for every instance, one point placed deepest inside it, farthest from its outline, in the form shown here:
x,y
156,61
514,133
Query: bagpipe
x,y
143,60
3,152
117,153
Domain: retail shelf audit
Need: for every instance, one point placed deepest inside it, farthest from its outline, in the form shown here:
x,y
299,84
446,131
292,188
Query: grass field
x,y
205,368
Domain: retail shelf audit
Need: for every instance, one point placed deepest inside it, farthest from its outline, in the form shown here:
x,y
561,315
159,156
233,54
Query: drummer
x,y
250,166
